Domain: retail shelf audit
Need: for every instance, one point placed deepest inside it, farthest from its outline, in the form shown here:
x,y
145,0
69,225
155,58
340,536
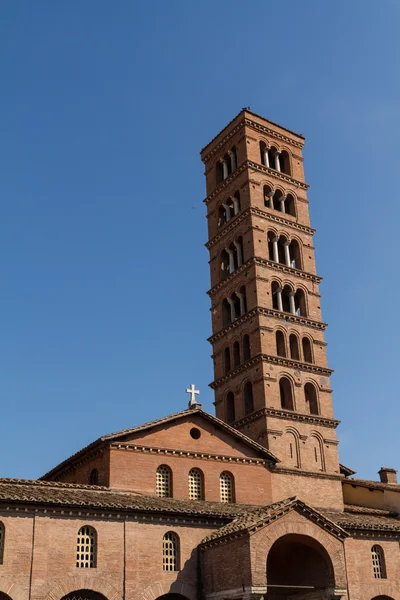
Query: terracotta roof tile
x,y
377,485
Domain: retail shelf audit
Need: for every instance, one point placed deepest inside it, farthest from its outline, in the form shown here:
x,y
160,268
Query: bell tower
x,y
271,378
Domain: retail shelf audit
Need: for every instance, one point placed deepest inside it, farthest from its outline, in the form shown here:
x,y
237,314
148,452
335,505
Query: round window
x,y
195,433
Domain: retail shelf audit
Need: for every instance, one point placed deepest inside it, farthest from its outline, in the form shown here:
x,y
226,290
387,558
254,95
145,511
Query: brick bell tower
x,y
271,378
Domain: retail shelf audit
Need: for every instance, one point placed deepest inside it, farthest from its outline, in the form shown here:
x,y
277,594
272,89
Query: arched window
x,y
317,456
226,313
221,215
236,355
378,562
274,158
236,203
268,193
243,300
226,487
294,347
2,537
219,172
307,350
196,491
230,407
310,394
280,343
248,398
171,552
86,548
227,360
285,162
264,158
286,393
164,482
94,477
246,348
294,255
300,303
291,447
276,292
224,265
289,205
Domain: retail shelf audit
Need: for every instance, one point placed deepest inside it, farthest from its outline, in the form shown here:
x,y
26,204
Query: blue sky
x,y
103,111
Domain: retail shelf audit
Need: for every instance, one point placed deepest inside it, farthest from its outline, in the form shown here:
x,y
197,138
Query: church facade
x,y
249,504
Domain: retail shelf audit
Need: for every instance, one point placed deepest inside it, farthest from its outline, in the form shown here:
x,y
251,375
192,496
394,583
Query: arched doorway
x,y
83,595
382,598
4,596
298,566
172,596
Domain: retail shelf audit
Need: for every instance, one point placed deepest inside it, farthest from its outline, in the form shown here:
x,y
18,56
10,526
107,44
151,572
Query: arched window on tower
x,y
164,482
378,562
227,360
226,313
224,265
307,350
230,408
236,203
243,300
236,355
2,538
171,552
246,348
280,343
310,394
295,255
286,393
94,477
196,484
317,452
285,162
268,193
226,487
289,205
300,303
86,548
248,398
294,347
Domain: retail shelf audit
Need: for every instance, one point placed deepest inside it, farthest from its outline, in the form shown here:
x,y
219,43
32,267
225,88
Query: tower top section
x,y
255,121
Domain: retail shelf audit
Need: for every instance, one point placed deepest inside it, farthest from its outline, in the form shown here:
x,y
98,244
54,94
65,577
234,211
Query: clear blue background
x,y
104,107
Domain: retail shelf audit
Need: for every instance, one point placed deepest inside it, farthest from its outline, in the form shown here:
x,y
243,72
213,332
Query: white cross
x,y
192,391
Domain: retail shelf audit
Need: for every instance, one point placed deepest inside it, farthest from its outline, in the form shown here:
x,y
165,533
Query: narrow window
x,y
164,482
224,265
307,350
2,536
248,398
230,407
243,303
236,355
227,360
378,562
86,548
280,343
236,203
290,205
295,258
221,216
300,304
171,552
285,162
246,348
286,393
294,347
226,487
94,477
310,394
226,313
196,484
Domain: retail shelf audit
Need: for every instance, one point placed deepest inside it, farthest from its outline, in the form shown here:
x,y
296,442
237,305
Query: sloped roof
x,y
97,497
377,485
363,518
250,521
168,419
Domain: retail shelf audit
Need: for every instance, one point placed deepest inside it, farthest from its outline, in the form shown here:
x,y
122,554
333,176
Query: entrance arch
x,y
172,596
4,596
83,595
297,566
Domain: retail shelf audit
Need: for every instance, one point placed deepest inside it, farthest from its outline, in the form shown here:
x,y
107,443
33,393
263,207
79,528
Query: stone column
x,y
242,303
231,260
292,303
275,249
236,206
225,169
286,247
277,161
279,299
232,305
238,247
227,212
282,203
266,157
271,199
233,160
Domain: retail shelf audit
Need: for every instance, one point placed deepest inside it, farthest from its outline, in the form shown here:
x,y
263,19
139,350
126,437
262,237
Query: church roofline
x,y
151,424
377,485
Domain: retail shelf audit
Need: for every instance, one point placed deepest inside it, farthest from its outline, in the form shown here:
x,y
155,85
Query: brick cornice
x,y
276,360
189,454
257,127
265,263
281,413
269,216
267,312
249,164
301,472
